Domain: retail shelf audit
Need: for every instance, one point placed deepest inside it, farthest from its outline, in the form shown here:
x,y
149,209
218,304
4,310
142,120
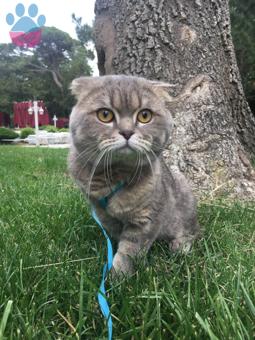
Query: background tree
x,y
188,44
84,31
85,35
44,72
13,85
243,32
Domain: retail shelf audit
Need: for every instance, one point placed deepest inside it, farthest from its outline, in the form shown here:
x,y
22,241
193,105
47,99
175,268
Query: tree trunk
x,y
187,43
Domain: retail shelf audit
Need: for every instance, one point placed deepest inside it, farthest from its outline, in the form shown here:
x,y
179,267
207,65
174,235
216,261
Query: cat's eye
x,y
144,116
105,115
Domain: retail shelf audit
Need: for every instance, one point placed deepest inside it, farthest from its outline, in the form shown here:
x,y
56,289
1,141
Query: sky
x,y
57,12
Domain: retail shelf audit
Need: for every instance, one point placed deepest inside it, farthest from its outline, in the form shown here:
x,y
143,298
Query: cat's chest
x,y
126,201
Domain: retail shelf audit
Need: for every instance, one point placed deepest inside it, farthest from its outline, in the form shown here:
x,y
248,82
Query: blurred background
x,y
66,51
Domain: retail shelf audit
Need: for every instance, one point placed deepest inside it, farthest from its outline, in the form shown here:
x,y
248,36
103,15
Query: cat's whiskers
x,y
81,157
141,168
111,153
86,152
110,166
136,167
145,147
153,154
81,154
108,179
106,147
158,146
107,143
93,154
105,170
113,145
149,160
96,163
88,146
144,143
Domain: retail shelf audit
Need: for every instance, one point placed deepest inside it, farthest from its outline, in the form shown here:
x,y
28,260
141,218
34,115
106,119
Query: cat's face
x,y
123,114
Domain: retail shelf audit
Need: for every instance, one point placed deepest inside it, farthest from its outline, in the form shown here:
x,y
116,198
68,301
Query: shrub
x,y
63,130
7,133
49,128
26,132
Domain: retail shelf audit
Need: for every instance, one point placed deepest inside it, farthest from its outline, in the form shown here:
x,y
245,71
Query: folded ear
x,y
82,86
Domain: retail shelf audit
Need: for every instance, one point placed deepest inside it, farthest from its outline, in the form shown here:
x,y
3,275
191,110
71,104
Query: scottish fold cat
x,y
119,128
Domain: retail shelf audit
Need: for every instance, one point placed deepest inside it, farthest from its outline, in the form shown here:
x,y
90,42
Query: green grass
x,y
52,255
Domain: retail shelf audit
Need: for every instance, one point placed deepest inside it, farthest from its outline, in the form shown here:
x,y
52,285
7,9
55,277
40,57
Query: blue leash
x,y
102,300
107,267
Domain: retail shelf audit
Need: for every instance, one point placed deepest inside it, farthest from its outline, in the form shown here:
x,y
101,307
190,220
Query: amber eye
x,y
105,115
144,116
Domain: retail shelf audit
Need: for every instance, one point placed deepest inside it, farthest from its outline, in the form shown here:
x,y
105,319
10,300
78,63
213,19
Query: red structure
x,y
4,119
23,119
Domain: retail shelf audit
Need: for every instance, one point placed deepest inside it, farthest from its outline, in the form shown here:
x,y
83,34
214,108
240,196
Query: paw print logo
x,y
26,32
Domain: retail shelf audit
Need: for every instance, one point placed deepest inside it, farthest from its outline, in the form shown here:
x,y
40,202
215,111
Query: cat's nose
x,y
126,133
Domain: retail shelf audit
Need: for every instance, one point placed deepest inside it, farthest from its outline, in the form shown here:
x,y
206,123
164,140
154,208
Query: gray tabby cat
x,y
119,128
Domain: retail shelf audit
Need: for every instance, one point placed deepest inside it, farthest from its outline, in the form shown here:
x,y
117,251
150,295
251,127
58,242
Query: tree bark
x,y
187,43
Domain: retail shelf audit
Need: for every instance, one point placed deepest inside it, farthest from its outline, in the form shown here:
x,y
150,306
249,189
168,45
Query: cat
x,y
119,128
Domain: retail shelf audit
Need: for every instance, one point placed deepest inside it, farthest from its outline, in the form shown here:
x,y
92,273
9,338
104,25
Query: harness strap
x,y
103,202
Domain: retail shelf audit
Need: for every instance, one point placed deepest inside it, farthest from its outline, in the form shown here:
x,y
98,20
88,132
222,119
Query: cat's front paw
x,y
122,265
182,244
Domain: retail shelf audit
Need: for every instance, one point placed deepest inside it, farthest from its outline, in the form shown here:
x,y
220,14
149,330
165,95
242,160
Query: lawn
x,y
52,255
